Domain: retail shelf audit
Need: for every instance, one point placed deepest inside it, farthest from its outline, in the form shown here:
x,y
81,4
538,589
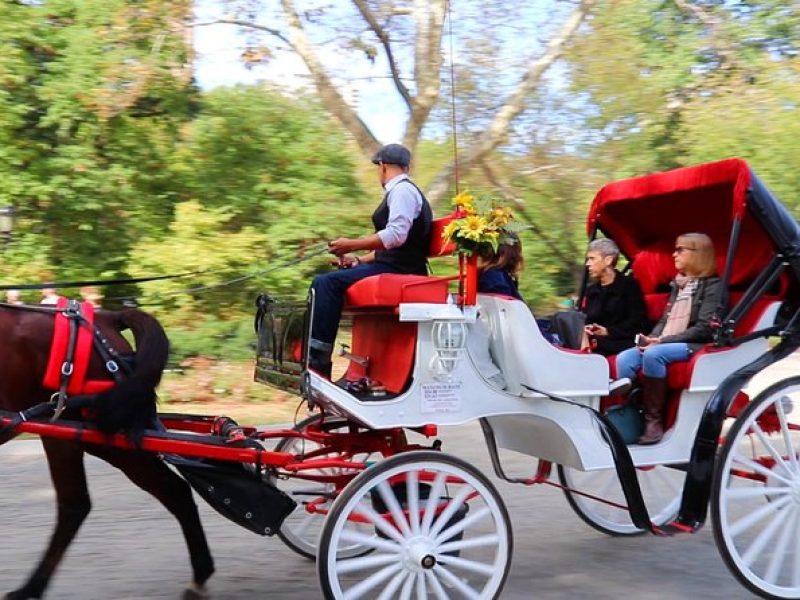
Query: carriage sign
x,y
441,397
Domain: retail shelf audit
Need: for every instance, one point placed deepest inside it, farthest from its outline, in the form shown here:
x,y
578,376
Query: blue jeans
x,y
653,361
329,290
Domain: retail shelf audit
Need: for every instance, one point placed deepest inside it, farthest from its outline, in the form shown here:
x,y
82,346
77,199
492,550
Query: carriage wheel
x,y
438,529
755,501
662,487
300,530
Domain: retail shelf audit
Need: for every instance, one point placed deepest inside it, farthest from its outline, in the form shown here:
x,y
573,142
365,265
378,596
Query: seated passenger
x,y
497,271
497,274
684,327
613,303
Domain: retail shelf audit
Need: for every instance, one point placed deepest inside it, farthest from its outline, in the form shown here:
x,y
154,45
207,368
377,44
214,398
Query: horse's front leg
x,y
65,459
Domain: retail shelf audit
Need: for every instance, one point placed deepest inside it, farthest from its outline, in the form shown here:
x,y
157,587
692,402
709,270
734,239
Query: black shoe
x,y
321,363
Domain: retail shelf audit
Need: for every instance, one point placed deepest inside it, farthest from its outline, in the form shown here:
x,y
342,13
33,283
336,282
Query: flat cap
x,y
393,154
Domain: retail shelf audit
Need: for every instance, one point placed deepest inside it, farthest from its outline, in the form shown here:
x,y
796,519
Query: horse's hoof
x,y
195,592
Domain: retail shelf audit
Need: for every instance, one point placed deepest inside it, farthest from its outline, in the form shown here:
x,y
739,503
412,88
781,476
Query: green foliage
x,y
263,182
92,95
116,165
667,88
214,337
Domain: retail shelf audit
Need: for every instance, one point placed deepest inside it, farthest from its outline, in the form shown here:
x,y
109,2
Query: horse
x,y
129,406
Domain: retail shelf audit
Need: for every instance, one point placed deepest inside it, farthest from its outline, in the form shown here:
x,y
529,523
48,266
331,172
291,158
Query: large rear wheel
x,y
438,529
661,487
755,500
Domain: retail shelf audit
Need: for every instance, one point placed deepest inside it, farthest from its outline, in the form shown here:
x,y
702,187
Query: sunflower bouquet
x,y
484,224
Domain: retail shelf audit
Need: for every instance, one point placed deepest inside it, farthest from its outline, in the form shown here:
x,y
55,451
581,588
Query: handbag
x,y
568,325
627,420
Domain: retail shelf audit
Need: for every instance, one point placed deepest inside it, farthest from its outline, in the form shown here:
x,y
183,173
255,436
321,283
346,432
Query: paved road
x,y
130,548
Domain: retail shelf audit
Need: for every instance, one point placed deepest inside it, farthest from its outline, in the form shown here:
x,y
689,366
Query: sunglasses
x,y
681,249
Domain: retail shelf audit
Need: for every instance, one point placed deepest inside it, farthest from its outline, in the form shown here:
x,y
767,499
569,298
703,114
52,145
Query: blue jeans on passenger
x,y
652,361
329,291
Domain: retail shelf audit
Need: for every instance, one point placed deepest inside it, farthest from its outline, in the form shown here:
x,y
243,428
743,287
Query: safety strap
x,y
73,313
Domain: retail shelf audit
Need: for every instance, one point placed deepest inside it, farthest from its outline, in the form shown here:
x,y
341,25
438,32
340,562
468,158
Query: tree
x,y
406,40
670,83
93,95
264,182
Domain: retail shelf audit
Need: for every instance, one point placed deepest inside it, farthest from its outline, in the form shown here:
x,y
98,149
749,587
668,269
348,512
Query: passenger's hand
x,y
341,246
645,341
596,330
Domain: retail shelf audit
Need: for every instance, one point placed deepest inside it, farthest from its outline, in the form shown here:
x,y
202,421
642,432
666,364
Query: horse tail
x,y
131,404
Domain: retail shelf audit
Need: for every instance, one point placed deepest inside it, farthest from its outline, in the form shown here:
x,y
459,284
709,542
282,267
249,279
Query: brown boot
x,y
654,397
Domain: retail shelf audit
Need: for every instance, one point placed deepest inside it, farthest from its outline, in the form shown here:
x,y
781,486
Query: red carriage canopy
x,y
644,215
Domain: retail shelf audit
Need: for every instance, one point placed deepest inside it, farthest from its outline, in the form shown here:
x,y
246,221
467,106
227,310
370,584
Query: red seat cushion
x,y
654,268
390,290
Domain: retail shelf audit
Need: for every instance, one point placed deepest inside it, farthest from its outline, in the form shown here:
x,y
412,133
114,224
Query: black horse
x,y
128,406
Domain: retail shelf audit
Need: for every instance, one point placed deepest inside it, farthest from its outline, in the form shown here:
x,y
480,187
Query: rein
x,y
309,253
102,282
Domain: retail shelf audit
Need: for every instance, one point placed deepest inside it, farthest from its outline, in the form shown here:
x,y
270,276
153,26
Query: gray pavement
x,y
130,548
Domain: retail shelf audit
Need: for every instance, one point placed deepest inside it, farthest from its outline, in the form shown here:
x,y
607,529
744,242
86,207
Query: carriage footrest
x,y
237,494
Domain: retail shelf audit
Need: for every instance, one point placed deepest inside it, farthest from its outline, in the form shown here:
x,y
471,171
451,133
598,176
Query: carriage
x,y
363,484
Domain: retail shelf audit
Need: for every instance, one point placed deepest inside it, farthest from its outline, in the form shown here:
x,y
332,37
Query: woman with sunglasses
x,y
684,327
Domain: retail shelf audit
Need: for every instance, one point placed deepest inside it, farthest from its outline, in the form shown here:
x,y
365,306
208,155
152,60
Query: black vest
x,y
412,256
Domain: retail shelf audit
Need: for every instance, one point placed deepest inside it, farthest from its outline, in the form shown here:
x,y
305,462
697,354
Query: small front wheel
x,y
438,529
755,500
300,530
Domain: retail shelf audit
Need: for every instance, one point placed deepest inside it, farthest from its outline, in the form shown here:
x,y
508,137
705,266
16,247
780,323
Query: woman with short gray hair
x,y
605,247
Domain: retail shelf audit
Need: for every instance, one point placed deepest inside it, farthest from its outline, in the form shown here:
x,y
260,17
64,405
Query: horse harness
x,y
78,316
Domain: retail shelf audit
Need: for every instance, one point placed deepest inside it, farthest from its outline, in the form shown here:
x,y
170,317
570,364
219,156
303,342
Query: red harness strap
x,y
83,351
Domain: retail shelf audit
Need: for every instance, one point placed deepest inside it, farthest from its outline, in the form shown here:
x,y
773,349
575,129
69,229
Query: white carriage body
x,y
523,420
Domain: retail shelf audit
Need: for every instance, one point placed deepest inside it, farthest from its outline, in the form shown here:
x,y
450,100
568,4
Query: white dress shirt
x,y
405,204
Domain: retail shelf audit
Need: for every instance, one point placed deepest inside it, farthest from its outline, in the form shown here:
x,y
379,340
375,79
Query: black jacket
x,y
619,307
704,305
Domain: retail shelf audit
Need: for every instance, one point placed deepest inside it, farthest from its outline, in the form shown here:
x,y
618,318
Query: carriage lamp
x,y
6,223
449,340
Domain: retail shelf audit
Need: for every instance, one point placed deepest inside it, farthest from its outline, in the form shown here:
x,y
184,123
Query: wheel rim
x,y
661,486
301,529
445,539
757,498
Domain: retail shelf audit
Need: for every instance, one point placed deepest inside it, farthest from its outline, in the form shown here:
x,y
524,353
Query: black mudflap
x,y
236,493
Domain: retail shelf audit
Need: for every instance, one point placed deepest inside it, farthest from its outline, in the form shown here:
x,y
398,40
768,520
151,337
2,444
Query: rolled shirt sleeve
x,y
405,204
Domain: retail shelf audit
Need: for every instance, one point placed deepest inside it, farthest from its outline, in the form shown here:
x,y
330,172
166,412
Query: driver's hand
x,y
341,246
347,261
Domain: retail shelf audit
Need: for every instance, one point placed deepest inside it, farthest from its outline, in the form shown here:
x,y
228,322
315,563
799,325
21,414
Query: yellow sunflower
x,y
466,201
500,216
473,227
450,229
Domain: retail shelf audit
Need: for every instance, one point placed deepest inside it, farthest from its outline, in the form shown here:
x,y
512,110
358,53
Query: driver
x,y
400,244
